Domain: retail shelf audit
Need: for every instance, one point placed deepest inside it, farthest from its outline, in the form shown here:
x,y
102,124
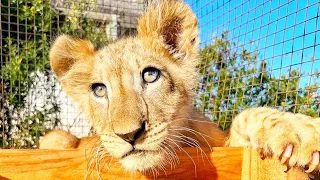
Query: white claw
x,y
314,162
286,153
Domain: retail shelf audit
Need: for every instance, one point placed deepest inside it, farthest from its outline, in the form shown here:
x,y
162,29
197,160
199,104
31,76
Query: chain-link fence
x,y
258,53
31,99
253,53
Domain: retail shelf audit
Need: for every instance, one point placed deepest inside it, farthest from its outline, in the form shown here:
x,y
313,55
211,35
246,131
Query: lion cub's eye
x,y
99,89
150,75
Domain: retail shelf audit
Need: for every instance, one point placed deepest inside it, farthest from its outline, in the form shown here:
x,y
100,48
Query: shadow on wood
x,y
220,163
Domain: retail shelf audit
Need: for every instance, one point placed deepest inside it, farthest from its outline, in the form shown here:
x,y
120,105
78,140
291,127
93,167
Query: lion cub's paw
x,y
294,144
293,138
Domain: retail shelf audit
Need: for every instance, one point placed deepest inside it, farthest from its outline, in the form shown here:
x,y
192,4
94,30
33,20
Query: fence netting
x,y
253,53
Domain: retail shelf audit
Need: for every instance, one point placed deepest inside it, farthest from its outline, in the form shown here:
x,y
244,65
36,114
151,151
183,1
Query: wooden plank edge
x,y
220,163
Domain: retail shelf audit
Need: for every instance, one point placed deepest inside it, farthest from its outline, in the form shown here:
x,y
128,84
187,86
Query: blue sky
x,y
284,32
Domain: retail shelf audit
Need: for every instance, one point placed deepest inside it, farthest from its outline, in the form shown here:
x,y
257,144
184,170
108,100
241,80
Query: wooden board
x,y
225,163
254,168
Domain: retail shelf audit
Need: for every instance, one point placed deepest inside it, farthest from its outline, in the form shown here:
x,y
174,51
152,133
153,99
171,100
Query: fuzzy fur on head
x,y
168,41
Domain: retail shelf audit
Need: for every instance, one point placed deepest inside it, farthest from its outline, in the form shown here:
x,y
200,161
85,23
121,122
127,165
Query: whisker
x,y
101,156
94,153
199,146
187,119
169,157
184,141
172,159
171,149
153,172
196,144
153,169
181,149
98,165
192,144
162,167
179,128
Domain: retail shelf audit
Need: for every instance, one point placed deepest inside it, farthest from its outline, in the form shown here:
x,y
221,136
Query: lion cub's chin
x,y
142,161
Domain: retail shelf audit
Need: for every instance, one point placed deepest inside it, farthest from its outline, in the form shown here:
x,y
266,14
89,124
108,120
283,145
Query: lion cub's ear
x,y
72,61
173,24
66,51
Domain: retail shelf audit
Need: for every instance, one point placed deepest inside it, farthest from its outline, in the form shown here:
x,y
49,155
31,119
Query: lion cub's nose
x,y
133,135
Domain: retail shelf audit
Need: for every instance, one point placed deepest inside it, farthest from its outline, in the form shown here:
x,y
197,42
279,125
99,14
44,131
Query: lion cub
x,y
138,93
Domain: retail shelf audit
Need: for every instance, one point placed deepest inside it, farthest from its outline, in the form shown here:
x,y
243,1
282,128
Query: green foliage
x,y
76,24
234,79
25,53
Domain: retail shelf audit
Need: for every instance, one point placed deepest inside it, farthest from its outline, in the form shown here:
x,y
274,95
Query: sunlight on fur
x,y
138,93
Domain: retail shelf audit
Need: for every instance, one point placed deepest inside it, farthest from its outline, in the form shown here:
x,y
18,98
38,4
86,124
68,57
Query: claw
x,y
288,169
261,154
286,153
311,168
284,159
314,162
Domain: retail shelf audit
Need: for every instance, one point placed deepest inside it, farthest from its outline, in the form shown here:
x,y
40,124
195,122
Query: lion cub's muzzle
x,y
132,136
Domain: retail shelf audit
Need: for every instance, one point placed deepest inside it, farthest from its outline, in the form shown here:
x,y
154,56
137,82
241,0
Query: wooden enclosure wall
x,y
220,163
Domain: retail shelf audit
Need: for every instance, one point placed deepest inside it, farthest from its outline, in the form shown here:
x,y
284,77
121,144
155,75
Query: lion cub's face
x,y
136,89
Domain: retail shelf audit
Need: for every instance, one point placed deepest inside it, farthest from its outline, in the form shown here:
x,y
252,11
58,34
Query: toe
x,y
286,153
314,162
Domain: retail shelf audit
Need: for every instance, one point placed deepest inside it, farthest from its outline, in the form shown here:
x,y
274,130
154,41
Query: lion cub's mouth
x,y
141,160
137,152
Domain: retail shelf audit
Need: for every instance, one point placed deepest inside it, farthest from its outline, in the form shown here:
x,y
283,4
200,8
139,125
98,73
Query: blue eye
x,y
99,90
150,75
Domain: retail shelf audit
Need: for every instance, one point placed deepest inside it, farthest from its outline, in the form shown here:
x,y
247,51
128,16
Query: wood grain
x,y
220,163
254,168
72,164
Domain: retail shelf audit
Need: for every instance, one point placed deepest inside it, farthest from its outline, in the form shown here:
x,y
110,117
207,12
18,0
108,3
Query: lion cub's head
x,y
137,89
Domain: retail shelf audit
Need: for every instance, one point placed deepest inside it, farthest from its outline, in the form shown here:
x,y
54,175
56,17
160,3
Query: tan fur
x,y
270,130
59,139
167,40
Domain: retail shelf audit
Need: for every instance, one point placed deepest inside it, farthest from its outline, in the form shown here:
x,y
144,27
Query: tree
x,y
232,79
